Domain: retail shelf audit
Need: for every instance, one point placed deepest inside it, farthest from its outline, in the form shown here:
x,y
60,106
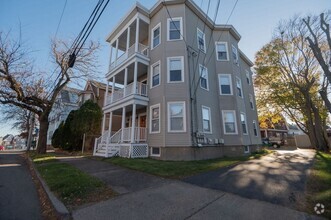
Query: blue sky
x,y
38,19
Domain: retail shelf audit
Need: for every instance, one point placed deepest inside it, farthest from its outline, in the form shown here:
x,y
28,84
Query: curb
x,y
61,211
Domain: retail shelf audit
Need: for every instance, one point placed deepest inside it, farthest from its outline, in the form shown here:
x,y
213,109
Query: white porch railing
x,y
119,143
142,49
128,90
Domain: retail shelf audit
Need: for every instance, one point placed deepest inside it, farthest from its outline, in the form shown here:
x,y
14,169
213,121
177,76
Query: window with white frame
x,y
155,76
175,69
229,122
243,123
206,122
222,51
235,54
176,117
248,77
155,119
246,149
175,29
204,77
255,128
225,84
251,101
156,35
239,88
201,40
155,151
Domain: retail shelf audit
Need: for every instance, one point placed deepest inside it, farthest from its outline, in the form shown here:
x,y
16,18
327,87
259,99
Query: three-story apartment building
x,y
186,88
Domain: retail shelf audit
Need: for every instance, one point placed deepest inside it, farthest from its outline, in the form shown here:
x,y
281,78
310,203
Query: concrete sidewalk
x,y
145,196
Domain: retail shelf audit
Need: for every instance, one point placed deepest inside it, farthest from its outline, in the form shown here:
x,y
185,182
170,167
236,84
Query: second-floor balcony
x,y
141,90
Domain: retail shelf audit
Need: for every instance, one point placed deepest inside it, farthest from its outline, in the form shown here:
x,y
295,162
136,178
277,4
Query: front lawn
x,y
72,186
319,184
179,169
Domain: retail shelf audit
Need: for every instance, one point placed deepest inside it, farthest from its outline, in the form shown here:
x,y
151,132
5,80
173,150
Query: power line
x,y
58,25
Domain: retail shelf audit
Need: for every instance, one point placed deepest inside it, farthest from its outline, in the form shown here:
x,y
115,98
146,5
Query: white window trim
x,y
181,28
200,66
152,34
227,50
168,69
257,131
151,118
152,66
241,88
219,83
210,124
184,117
236,50
235,122
251,99
242,113
248,149
248,76
204,40
155,155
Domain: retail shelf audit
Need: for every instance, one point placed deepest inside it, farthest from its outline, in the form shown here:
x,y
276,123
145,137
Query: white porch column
x,y
123,123
128,40
110,122
106,94
103,123
113,89
133,123
116,53
135,76
125,80
111,56
137,36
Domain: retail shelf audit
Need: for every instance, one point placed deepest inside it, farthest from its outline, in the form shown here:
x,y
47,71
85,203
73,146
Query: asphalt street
x,y
18,195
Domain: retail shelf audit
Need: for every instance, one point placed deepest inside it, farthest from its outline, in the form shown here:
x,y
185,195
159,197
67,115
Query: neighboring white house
x,y
67,100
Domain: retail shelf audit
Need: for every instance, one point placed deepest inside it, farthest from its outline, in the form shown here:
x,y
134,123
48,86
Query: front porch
x,y
128,140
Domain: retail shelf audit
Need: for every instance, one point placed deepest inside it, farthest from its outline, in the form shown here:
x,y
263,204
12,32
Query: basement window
x,y
155,151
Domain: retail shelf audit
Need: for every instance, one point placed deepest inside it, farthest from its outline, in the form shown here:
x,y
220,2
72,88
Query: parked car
x,y
273,142
2,147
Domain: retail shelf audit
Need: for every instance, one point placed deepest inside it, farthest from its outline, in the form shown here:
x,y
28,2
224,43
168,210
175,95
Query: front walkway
x,y
144,196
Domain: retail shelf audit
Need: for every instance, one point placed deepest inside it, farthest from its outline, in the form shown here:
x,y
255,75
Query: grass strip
x,y
72,186
319,184
180,169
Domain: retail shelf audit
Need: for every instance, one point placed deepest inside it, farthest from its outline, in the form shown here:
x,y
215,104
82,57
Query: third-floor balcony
x,y
129,42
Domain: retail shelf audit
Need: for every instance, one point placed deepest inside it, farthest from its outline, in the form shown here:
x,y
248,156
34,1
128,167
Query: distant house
x,y
8,140
67,100
293,130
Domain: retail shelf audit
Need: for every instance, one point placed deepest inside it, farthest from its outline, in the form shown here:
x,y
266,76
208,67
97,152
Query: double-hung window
x,y
225,84
229,122
222,51
255,128
155,119
175,29
239,89
175,69
251,101
176,117
201,40
235,54
206,122
156,35
243,123
204,77
248,78
155,80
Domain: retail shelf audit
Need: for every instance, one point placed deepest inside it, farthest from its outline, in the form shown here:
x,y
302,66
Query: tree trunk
x,y
326,100
42,140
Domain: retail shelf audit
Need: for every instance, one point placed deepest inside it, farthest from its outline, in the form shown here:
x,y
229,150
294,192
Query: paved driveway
x,y
18,196
277,178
